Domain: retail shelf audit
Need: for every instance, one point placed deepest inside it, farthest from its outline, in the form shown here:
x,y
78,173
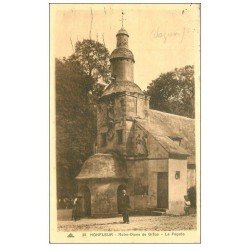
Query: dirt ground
x,y
160,223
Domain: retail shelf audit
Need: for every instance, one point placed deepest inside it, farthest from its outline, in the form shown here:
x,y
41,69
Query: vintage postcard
x,y
125,123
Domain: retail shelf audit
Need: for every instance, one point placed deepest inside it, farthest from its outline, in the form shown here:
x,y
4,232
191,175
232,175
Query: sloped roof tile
x,y
164,125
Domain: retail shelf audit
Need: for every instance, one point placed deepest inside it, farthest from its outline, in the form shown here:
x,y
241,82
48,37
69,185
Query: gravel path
x,y
160,223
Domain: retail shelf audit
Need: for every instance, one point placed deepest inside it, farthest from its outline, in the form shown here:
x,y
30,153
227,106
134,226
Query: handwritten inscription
x,y
157,33
164,36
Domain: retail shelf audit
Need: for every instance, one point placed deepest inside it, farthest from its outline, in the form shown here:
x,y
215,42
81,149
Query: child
x,y
186,205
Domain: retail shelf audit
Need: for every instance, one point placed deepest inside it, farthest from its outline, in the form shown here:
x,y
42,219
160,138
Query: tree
x,y
79,81
94,59
173,92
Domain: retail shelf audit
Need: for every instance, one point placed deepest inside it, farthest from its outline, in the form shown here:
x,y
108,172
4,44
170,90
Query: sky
x,y
162,37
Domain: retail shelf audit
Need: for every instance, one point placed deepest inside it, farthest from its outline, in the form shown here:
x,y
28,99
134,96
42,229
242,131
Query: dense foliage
x,y
173,92
78,87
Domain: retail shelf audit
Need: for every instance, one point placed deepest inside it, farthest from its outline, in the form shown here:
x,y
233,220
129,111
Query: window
x,y
104,139
139,187
119,136
176,139
177,175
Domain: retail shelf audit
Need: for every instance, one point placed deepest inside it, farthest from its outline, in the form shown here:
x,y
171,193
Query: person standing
x,y
125,206
187,205
74,210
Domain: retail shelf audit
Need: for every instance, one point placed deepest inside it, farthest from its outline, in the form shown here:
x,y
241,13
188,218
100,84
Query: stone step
x,y
161,209
158,213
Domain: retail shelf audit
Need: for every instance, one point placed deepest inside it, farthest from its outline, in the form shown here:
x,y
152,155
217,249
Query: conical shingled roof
x,y
122,53
122,86
100,166
122,31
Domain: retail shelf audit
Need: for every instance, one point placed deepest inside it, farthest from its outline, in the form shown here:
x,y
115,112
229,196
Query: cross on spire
x,y
123,19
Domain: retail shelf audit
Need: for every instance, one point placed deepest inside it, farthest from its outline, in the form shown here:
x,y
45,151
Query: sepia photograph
x,y
125,123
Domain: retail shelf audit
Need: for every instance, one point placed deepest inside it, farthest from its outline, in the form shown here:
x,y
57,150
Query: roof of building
x,y
122,31
102,166
121,86
164,126
122,53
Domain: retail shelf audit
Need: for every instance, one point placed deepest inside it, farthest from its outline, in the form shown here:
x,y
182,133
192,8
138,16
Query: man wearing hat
x,y
125,205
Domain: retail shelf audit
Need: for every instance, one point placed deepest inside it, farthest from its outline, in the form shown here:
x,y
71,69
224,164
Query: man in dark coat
x,y
74,209
125,205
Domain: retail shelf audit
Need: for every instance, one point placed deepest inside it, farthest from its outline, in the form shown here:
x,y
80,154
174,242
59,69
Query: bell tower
x,y
122,59
122,100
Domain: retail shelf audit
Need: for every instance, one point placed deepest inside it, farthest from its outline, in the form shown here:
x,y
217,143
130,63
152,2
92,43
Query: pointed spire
x,y
123,19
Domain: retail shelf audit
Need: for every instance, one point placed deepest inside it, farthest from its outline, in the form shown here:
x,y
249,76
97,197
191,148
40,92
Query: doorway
x,y
86,201
119,194
162,190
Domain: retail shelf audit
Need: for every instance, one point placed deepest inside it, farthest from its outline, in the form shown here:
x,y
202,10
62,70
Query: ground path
x,y
152,223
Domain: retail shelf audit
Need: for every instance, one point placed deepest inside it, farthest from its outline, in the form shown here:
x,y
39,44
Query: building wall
x,y
110,119
155,166
103,200
143,182
124,108
103,196
123,69
140,143
131,107
112,144
145,161
138,183
136,106
142,107
141,187
148,170
177,187
145,158
191,178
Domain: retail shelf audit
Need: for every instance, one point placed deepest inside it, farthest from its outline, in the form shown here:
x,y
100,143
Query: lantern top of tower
x,y
122,50
122,31
122,60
